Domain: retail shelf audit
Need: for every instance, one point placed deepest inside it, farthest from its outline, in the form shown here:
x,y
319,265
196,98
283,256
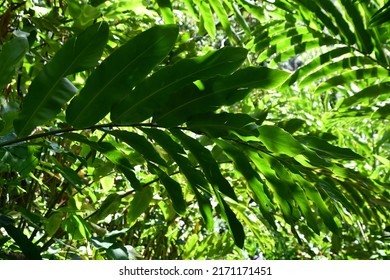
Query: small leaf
x,y
166,11
207,17
50,90
117,252
138,205
100,243
109,206
11,56
119,73
112,154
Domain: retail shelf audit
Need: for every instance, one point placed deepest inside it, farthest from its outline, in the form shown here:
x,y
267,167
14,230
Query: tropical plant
x,y
123,137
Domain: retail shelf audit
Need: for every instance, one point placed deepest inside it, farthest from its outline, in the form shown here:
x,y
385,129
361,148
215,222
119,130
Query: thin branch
x,y
71,129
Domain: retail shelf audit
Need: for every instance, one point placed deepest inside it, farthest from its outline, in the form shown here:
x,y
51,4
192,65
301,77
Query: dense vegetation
x,y
197,129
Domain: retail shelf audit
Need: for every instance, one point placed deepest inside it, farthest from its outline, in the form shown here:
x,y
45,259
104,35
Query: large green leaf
x,y
329,69
148,96
319,203
224,90
381,16
342,24
279,141
363,36
318,62
218,182
11,56
351,76
233,223
119,73
50,90
76,227
222,15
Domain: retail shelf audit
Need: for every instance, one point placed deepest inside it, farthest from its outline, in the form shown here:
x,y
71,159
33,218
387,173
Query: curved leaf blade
x,y
328,150
50,90
353,75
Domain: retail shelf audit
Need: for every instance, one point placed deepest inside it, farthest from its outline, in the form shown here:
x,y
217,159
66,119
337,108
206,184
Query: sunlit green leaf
x,y
279,141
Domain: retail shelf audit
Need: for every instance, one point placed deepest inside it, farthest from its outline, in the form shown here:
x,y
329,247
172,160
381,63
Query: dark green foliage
x,y
133,138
